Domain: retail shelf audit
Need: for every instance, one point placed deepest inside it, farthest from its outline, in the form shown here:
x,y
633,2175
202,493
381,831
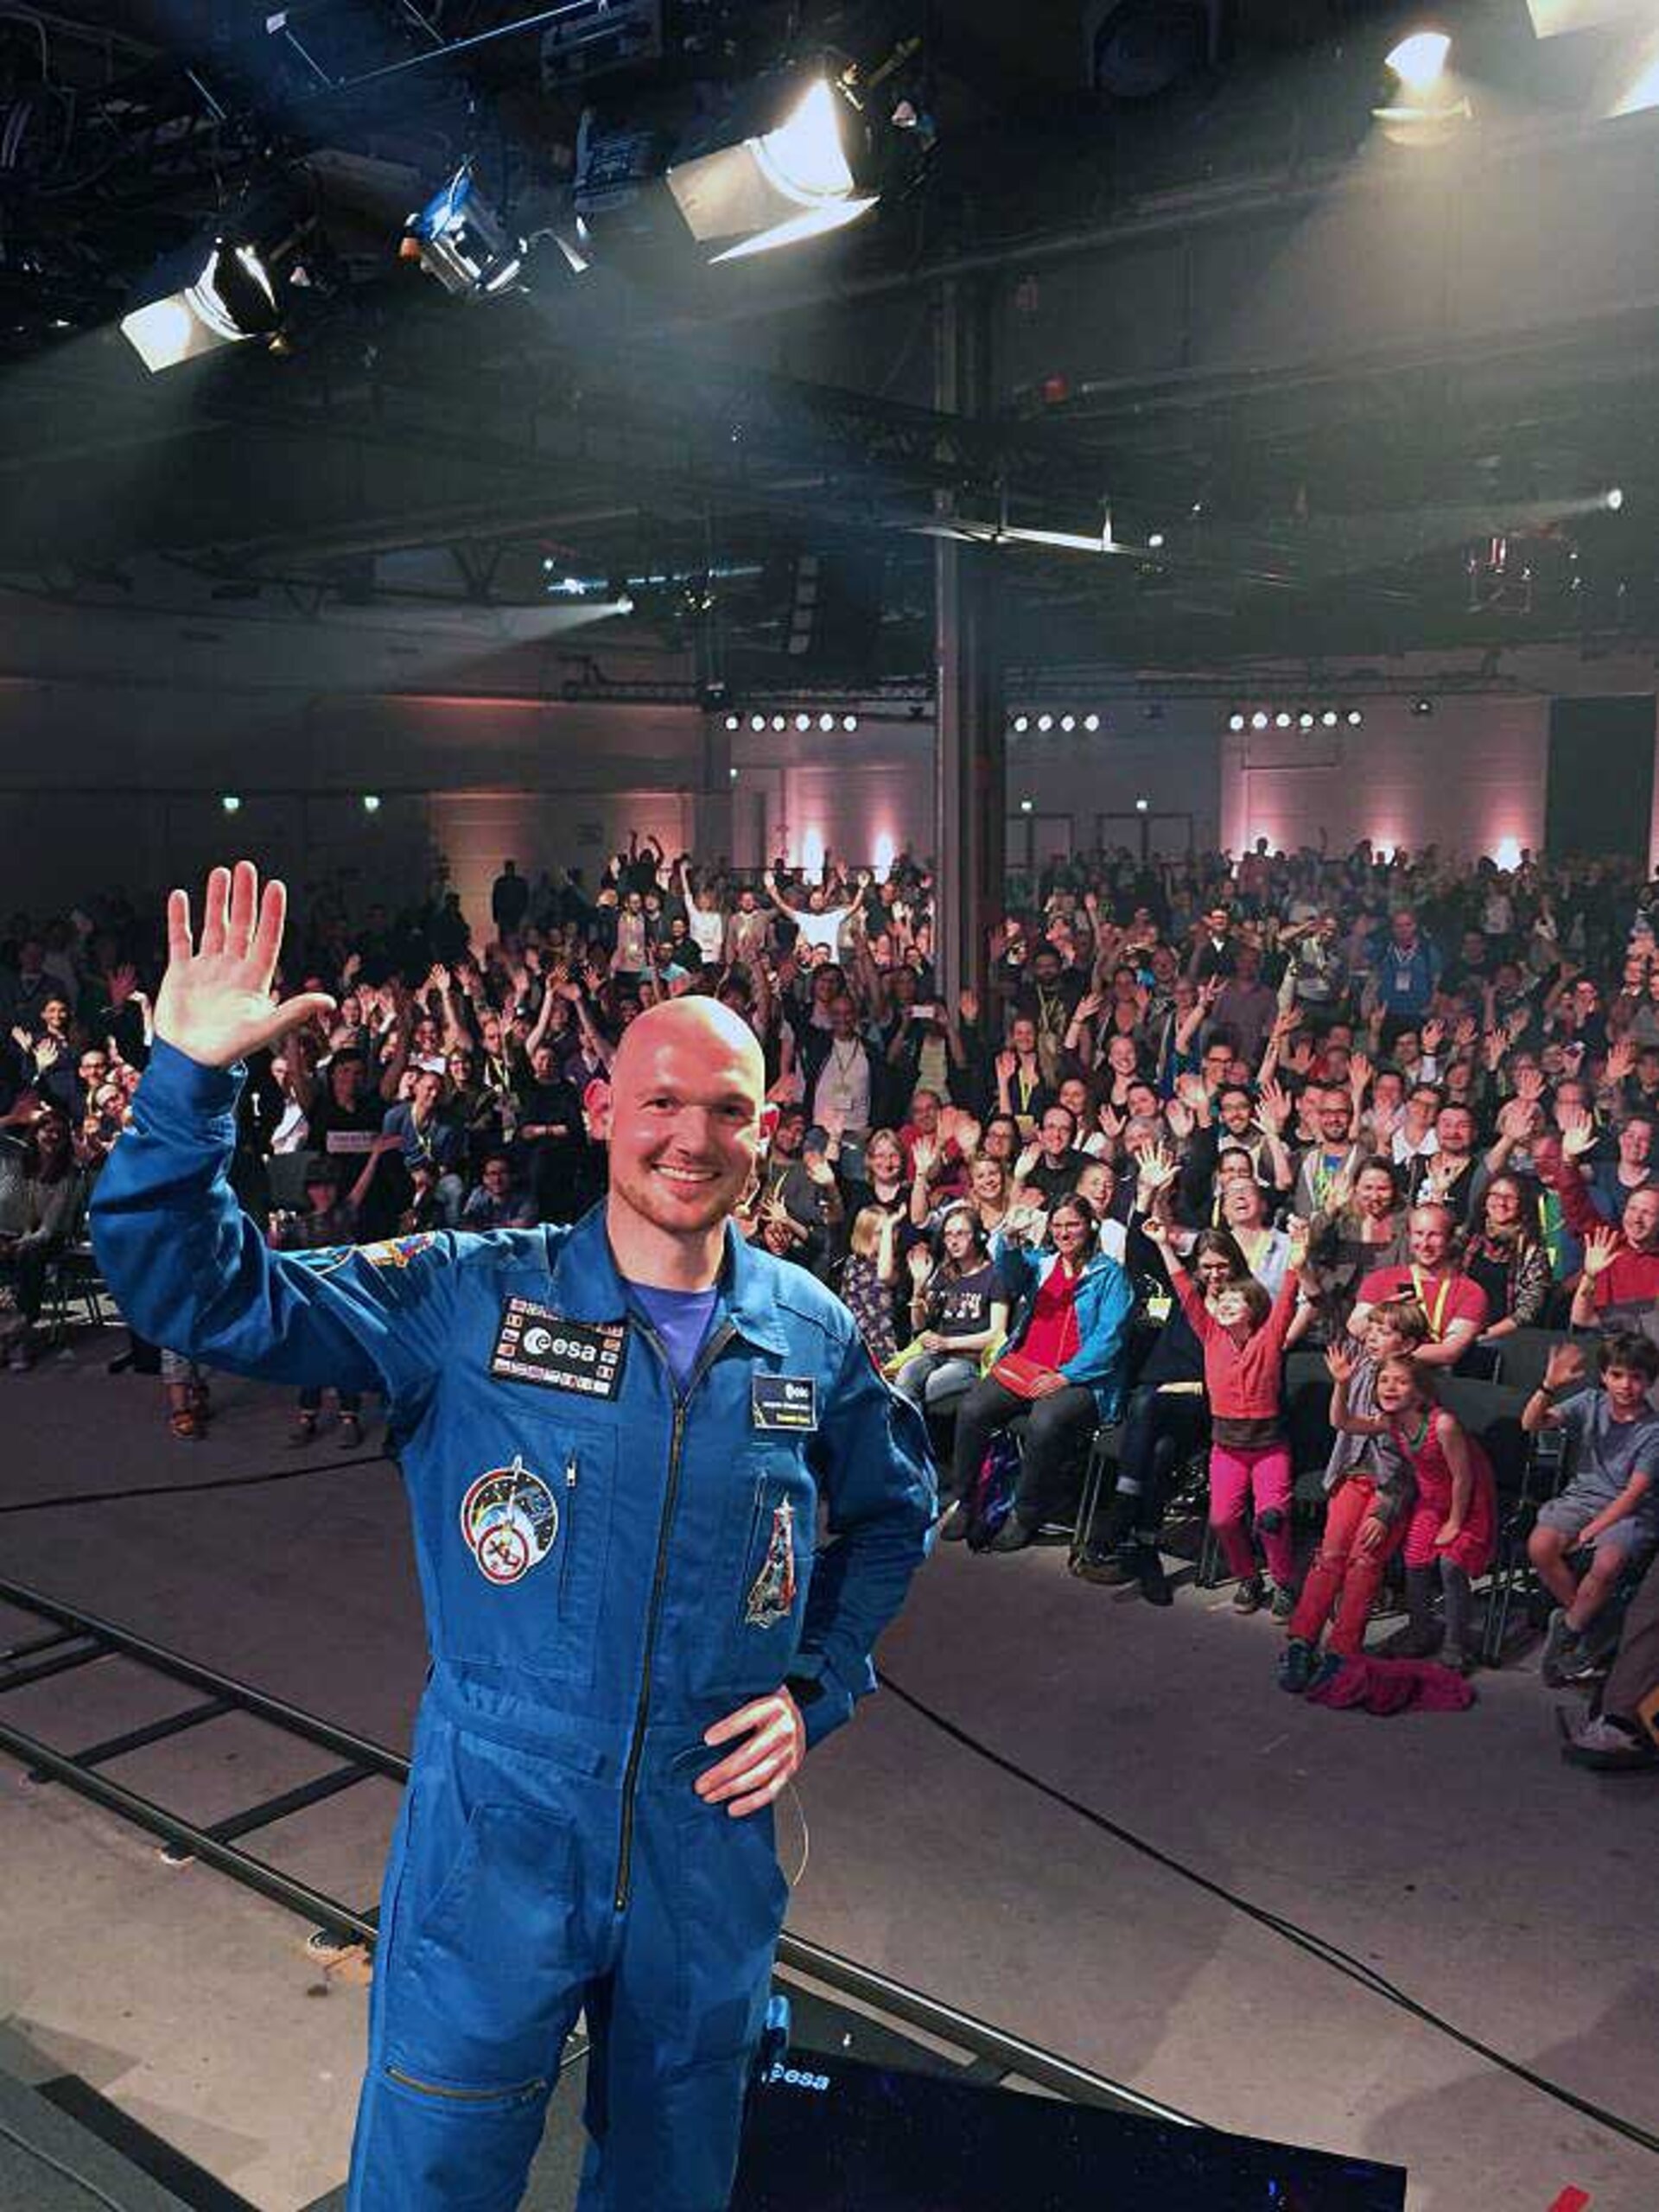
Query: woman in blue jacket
x,y
1063,1369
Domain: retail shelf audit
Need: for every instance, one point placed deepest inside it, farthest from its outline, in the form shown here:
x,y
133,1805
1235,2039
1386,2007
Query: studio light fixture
x,y
1420,62
463,239
794,178
370,802
231,802
1426,99
231,284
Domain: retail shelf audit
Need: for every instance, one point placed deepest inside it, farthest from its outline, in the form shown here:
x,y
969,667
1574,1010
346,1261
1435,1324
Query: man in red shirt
x,y
1453,1303
1632,1277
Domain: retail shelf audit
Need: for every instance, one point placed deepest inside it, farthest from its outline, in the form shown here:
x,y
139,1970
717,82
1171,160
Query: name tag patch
x,y
537,1346
784,1402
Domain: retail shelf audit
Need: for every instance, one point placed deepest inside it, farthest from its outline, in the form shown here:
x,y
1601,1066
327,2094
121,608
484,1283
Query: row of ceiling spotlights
x,y
231,802
1301,718
1262,718
803,721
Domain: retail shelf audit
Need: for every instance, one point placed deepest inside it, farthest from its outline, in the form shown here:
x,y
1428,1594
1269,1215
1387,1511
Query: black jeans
x,y
1161,1427
1057,1432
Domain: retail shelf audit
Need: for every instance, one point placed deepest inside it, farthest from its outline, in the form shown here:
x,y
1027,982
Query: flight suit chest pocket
x,y
529,1571
771,1559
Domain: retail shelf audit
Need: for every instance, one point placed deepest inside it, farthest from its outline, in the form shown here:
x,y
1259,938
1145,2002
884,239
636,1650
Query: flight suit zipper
x,y
462,2096
569,1533
704,1361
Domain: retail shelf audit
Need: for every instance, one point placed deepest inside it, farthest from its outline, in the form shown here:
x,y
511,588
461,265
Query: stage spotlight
x,y
734,722
1420,62
792,180
1155,541
370,802
1141,805
1092,723
1045,723
803,721
231,802
464,241
826,723
1022,724
757,722
1068,723
1328,719
1422,706
1305,720
1613,498
780,721
1281,720
1235,721
1258,719
1025,806
849,723
230,299
732,772
1356,716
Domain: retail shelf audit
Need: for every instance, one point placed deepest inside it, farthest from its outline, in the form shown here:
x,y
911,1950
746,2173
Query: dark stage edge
x,y
817,2023
63,2148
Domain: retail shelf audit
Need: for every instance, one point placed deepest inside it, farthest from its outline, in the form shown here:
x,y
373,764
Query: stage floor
x,y
1455,1854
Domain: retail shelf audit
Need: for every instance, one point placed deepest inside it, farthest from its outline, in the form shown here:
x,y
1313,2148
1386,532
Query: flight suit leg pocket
x,y
485,1979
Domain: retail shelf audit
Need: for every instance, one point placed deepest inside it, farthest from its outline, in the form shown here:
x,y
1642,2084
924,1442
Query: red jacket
x,y
1241,1380
1633,1278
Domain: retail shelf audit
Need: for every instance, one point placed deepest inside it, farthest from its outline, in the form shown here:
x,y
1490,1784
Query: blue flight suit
x,y
609,1563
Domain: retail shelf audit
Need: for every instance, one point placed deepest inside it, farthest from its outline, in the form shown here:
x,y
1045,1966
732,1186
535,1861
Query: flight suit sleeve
x,y
190,1270
871,1459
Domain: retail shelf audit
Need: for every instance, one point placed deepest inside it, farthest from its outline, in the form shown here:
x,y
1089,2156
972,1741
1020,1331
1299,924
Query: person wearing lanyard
x,y
616,1438
1453,1304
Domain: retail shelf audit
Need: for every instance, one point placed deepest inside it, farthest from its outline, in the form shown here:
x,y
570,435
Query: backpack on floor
x,y
991,1500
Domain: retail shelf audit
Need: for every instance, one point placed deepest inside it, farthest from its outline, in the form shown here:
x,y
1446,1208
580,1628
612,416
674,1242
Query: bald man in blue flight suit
x,y
616,1439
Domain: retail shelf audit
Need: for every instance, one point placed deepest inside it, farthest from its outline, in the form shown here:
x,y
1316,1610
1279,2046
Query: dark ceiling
x,y
412,444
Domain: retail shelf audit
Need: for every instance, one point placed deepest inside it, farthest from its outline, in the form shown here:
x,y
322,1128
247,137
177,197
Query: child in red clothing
x,y
1452,1530
1243,1332
1369,1495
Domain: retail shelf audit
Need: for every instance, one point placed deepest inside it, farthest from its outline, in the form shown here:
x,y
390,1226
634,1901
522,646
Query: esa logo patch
x,y
510,1520
534,1344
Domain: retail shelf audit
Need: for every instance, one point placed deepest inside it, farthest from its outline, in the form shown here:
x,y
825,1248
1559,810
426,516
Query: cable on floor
x,y
1328,1953
186,1489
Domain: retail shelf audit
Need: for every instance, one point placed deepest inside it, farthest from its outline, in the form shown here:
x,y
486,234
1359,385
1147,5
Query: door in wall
x,y
1160,836
1599,794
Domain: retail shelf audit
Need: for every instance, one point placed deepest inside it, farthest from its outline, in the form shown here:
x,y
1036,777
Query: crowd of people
x,y
1394,1110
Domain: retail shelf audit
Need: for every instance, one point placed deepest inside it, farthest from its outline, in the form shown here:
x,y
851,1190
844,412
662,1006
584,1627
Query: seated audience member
x,y
798,1208
497,1203
1165,1421
1453,1529
550,1136
958,1312
40,1199
1623,1281
1453,1304
1618,1740
1368,1493
1504,1256
1452,1176
1242,1331
332,1214
1069,1332
426,1134
868,1277
1050,1167
1360,1229
1609,1507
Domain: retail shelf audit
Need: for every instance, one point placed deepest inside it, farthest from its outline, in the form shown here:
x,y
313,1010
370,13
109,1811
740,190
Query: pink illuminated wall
x,y
1469,778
